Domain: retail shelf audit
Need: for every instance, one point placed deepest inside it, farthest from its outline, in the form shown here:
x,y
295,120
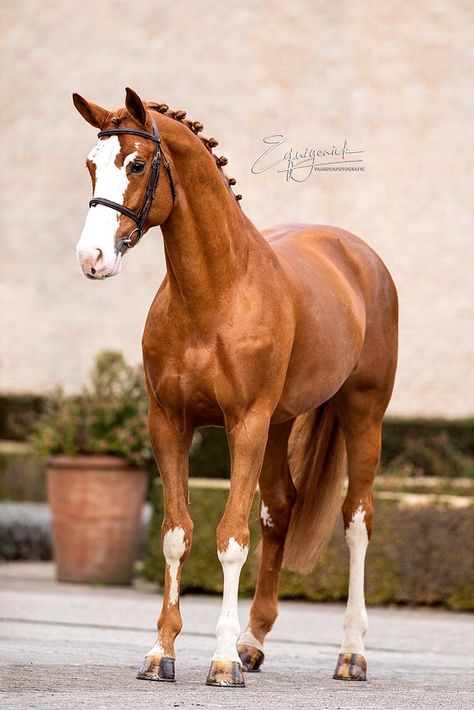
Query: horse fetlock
x,y
262,620
228,629
227,635
248,638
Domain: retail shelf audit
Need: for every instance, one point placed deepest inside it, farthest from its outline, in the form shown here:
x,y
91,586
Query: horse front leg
x,y
171,450
247,441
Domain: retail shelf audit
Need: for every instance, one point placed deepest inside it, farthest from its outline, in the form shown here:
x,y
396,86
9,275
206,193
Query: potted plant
x,y
97,446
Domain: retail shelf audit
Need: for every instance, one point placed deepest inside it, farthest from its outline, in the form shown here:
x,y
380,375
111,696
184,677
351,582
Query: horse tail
x,y
317,460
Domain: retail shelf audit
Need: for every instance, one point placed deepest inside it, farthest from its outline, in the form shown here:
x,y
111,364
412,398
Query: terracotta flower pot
x,y
96,504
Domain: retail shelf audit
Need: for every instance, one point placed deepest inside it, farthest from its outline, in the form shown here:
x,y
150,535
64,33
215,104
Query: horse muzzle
x,y
95,267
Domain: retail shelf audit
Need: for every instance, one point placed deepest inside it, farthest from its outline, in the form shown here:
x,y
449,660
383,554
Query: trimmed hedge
x,y
18,412
396,431
433,447
417,555
22,474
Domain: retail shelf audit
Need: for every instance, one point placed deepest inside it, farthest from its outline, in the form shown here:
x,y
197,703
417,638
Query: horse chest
x,y
208,382
183,383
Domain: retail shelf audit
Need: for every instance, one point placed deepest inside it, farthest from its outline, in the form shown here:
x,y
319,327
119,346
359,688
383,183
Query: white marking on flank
x,y
265,515
102,222
174,548
228,626
355,618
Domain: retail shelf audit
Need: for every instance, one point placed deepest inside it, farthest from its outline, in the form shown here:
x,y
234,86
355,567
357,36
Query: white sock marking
x,y
247,637
228,626
355,618
157,650
174,548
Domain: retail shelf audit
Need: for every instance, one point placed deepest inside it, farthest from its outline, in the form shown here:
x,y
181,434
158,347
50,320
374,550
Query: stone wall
x,y
392,78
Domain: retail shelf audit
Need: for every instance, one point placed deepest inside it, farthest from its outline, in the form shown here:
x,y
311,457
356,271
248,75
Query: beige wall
x,y
394,78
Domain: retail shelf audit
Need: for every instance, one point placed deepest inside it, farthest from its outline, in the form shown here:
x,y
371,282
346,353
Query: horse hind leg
x,y
361,419
277,495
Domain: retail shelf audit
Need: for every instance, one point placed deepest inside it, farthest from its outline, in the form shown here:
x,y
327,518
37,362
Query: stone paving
x,y
75,646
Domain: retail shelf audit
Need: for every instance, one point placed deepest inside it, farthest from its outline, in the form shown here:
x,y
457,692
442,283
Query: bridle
x,y
138,217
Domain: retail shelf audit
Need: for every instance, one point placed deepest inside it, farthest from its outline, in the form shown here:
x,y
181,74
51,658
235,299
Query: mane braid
x,y
196,127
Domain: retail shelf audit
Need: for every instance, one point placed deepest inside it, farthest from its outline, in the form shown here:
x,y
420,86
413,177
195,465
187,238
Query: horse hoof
x,y
251,658
159,668
225,674
351,666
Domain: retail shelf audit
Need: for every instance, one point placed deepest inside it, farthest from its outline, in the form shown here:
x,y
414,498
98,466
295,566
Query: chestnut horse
x,y
286,338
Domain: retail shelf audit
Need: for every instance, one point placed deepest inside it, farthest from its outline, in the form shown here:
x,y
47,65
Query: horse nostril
x,y
92,271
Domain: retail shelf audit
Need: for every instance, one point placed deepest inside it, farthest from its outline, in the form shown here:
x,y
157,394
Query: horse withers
x,y
287,338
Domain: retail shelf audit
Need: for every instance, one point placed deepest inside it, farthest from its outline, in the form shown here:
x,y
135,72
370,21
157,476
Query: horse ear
x,y
93,114
135,106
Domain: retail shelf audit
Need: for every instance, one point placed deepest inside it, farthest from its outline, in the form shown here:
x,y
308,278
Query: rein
x,y
138,217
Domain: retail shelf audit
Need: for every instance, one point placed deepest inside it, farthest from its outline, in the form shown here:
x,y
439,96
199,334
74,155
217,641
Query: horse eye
x,y
137,167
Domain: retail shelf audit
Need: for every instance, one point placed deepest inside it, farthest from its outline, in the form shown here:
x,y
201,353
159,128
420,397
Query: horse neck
x,y
207,237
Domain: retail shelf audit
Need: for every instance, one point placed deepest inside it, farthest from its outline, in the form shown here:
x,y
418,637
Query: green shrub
x,y
18,414
434,455
22,474
209,457
410,447
455,434
414,447
108,416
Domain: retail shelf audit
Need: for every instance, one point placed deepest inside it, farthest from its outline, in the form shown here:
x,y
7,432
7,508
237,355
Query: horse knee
x,y
263,617
228,530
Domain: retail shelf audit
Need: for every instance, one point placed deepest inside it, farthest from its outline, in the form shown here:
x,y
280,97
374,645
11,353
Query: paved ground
x,y
73,646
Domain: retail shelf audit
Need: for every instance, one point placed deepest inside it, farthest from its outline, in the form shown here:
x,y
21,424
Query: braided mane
x,y
196,127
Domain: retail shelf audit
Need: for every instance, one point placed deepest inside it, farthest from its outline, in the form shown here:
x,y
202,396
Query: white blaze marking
x,y
174,548
111,182
265,515
355,618
228,626
247,637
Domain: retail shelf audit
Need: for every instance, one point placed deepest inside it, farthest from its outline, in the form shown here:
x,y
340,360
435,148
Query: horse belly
x,y
309,386
331,318
328,342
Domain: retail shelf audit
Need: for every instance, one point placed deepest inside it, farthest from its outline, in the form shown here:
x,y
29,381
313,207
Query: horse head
x,y
128,196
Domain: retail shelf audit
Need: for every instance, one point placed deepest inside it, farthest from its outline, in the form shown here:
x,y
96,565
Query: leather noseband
x,y
138,217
